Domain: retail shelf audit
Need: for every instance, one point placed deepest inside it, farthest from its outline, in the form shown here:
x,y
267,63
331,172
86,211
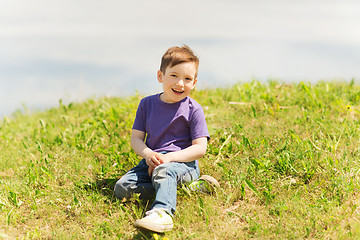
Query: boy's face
x,y
177,82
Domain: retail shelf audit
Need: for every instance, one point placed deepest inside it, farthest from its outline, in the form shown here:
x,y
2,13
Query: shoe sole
x,y
210,180
152,227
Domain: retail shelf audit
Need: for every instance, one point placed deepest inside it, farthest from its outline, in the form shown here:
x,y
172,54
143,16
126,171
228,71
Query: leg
x,y
165,179
137,180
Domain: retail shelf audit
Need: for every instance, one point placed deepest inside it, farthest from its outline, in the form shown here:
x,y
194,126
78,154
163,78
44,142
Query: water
x,y
73,50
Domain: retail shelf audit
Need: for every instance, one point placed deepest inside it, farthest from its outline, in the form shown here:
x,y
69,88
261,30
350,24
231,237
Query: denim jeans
x,y
162,184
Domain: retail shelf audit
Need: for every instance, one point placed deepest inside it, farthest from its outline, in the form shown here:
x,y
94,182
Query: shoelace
x,y
200,186
154,213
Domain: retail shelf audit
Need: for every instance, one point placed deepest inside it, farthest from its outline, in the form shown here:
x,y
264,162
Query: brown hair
x,y
177,55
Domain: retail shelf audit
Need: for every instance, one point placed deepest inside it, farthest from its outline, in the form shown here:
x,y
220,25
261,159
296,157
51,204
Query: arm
x,y
191,153
139,146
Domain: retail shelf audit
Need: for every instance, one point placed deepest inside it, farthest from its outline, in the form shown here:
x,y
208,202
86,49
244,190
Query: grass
x,y
286,156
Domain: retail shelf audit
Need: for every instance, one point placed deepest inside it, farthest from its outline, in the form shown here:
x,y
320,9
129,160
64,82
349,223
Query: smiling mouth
x,y
177,91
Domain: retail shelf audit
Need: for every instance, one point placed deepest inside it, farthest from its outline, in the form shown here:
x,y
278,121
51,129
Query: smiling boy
x,y
170,134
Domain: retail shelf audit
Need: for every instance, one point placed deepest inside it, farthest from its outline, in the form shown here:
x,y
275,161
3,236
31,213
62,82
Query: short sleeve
x,y
198,126
139,122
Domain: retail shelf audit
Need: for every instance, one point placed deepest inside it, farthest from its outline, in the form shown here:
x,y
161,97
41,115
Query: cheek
x,y
168,84
190,86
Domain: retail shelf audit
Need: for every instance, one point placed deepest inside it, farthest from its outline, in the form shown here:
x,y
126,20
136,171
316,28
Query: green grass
x,y
286,156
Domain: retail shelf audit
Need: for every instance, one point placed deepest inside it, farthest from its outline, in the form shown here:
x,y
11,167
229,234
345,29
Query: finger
x,y
159,158
150,163
150,171
155,161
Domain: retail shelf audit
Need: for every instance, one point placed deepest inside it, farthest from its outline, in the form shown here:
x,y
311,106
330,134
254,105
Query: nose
x,y
180,82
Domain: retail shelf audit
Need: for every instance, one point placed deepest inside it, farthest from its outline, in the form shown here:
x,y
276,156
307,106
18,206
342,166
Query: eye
x,y
173,75
188,79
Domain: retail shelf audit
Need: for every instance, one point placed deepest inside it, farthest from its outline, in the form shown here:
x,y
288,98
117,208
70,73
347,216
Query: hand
x,y
150,170
153,159
166,158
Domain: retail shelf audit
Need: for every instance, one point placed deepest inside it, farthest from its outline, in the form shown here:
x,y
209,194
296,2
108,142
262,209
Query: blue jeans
x,y
162,184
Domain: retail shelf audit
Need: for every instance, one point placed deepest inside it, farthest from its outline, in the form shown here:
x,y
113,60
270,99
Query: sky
x,y
76,49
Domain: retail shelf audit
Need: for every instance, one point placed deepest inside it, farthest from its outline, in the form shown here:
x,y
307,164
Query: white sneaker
x,y
156,220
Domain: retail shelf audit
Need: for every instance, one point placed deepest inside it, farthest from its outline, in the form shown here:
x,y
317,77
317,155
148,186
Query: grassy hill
x,y
286,156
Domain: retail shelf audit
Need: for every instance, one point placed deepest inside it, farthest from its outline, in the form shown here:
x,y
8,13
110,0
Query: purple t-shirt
x,y
170,126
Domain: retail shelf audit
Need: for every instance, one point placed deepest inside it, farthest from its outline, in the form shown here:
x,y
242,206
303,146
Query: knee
x,y
122,189
163,171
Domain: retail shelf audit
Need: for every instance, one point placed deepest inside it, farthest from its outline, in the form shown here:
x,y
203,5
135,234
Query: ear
x,y
159,76
194,83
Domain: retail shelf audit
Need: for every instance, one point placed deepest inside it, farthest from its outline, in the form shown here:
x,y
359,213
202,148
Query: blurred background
x,y
76,49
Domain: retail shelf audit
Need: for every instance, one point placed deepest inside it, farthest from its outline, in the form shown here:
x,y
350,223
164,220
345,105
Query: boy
x,y
176,134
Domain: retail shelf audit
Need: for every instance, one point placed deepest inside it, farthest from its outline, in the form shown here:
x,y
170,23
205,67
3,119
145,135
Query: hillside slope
x,y
286,156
